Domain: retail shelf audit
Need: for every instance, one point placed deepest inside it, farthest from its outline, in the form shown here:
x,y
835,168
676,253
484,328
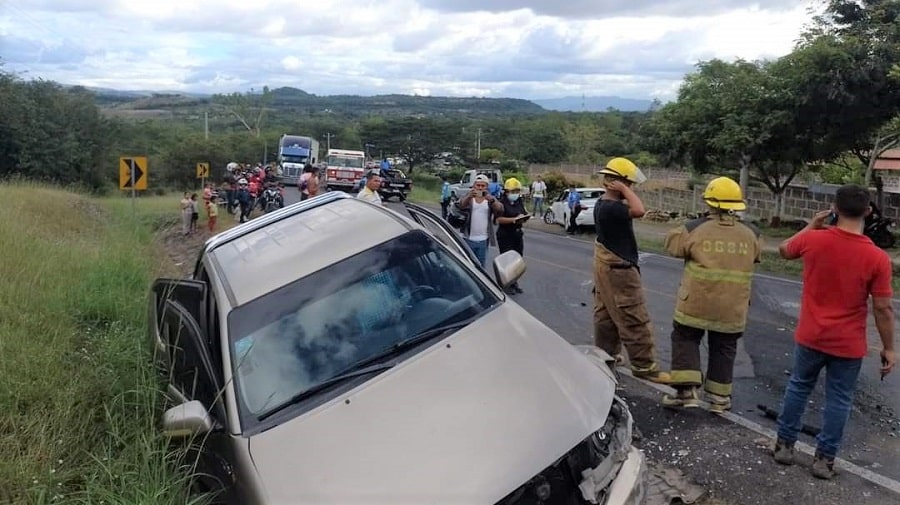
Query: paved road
x,y
557,289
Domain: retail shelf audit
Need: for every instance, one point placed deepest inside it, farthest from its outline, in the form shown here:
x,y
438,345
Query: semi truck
x,y
344,169
294,153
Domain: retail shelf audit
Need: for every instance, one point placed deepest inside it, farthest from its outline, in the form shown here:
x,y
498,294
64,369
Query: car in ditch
x,y
390,369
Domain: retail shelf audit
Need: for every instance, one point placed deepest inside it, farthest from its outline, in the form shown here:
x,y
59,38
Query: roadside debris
x,y
669,485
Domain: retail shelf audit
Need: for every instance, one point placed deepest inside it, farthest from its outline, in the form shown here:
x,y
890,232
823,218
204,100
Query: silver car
x,y
336,352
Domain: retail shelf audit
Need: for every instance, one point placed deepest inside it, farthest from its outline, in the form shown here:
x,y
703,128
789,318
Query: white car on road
x,y
560,207
338,352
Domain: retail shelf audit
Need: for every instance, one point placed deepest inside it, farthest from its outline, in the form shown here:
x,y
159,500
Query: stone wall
x,y
668,190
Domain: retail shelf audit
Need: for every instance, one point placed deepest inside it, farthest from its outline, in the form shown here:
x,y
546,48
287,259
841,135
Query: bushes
x,y
427,181
556,182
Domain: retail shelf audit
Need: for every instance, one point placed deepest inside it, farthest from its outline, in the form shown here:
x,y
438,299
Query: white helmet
x,y
242,181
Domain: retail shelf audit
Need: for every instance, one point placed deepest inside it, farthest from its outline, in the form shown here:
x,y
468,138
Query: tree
x,y
721,119
248,108
583,141
415,140
863,39
490,154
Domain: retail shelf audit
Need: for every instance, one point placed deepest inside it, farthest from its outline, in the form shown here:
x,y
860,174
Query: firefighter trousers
x,y
620,311
686,359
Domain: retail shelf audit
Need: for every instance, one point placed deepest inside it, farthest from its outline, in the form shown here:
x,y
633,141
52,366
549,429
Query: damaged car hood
x,y
466,421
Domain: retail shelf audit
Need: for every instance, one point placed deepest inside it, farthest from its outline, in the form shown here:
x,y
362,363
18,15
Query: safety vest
x,y
720,253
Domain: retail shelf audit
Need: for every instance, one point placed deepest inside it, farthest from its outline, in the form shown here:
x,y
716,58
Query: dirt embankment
x,y
182,250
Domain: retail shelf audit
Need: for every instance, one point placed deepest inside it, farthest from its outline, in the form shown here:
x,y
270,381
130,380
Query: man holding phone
x,y
510,236
478,230
842,269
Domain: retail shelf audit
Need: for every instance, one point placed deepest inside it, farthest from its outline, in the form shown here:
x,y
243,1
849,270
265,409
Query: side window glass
x,y
189,372
465,179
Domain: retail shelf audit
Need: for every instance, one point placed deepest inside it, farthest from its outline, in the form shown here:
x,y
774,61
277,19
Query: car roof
x,y
286,245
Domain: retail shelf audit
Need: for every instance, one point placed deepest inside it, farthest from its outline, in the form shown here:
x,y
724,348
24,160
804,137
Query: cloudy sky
x,y
518,48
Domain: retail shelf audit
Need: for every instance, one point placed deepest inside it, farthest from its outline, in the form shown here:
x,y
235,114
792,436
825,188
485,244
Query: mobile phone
x,y
832,219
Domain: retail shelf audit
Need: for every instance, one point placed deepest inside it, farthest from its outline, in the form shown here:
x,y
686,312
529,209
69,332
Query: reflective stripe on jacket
x,y
720,253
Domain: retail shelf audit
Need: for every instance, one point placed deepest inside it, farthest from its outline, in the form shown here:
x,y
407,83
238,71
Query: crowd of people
x,y
720,252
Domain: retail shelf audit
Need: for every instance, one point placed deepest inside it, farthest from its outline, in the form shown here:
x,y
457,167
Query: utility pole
x,y
478,147
206,125
328,141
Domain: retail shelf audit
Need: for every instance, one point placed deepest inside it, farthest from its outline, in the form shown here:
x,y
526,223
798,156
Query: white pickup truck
x,y
468,179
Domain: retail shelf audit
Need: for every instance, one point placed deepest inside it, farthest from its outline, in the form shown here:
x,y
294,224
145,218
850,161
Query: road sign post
x,y
133,175
202,173
133,210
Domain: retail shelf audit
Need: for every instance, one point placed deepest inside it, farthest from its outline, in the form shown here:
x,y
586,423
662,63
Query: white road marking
x,y
863,473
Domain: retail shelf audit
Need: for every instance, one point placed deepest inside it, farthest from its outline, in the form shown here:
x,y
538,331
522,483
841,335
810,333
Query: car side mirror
x,y
508,268
189,418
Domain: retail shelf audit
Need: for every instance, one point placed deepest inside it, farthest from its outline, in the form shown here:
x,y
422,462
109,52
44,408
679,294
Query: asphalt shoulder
x,y
732,462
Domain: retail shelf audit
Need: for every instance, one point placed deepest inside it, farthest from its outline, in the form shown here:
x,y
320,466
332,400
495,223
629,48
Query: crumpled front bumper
x,y
621,478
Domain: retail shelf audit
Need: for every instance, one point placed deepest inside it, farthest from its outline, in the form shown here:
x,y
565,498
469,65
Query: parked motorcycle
x,y
879,228
272,200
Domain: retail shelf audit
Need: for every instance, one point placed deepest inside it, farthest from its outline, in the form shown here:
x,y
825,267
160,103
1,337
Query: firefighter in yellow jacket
x,y
720,252
621,318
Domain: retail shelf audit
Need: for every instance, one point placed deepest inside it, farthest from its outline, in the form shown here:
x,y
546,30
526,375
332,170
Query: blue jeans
x,y
480,249
538,208
840,384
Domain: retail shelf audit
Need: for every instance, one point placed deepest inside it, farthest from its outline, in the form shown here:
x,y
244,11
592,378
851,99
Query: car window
x,y
189,375
311,330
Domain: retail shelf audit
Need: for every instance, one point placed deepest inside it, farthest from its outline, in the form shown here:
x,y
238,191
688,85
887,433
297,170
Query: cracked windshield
x,y
498,252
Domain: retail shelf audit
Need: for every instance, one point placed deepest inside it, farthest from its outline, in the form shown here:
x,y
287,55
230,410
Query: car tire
x,y
549,218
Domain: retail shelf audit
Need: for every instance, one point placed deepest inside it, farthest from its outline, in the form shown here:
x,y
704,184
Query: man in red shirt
x,y
842,268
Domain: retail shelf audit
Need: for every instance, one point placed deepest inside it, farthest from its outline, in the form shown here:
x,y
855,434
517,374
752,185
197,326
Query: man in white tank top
x,y
483,207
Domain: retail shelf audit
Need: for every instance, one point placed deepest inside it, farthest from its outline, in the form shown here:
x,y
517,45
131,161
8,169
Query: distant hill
x,y
290,100
595,104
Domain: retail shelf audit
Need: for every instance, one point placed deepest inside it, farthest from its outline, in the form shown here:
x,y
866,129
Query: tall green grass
x,y
78,394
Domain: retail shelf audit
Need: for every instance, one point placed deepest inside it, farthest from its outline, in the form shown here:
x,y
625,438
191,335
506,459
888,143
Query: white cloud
x,y
523,48
291,63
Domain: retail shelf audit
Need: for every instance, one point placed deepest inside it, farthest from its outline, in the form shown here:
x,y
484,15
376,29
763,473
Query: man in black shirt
x,y
509,223
620,311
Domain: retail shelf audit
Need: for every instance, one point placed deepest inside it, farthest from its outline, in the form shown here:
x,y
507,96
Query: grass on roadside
x,y
78,394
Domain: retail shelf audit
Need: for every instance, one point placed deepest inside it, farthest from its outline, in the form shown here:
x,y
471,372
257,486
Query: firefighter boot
x,y
652,374
717,403
685,396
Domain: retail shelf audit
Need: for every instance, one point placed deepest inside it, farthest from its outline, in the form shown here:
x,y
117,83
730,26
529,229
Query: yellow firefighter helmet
x,y
623,168
512,184
724,194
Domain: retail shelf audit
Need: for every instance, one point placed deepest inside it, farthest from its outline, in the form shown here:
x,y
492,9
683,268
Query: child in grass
x,y
195,212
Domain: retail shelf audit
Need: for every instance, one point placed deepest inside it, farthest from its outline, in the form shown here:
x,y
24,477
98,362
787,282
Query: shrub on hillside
x,y
556,182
